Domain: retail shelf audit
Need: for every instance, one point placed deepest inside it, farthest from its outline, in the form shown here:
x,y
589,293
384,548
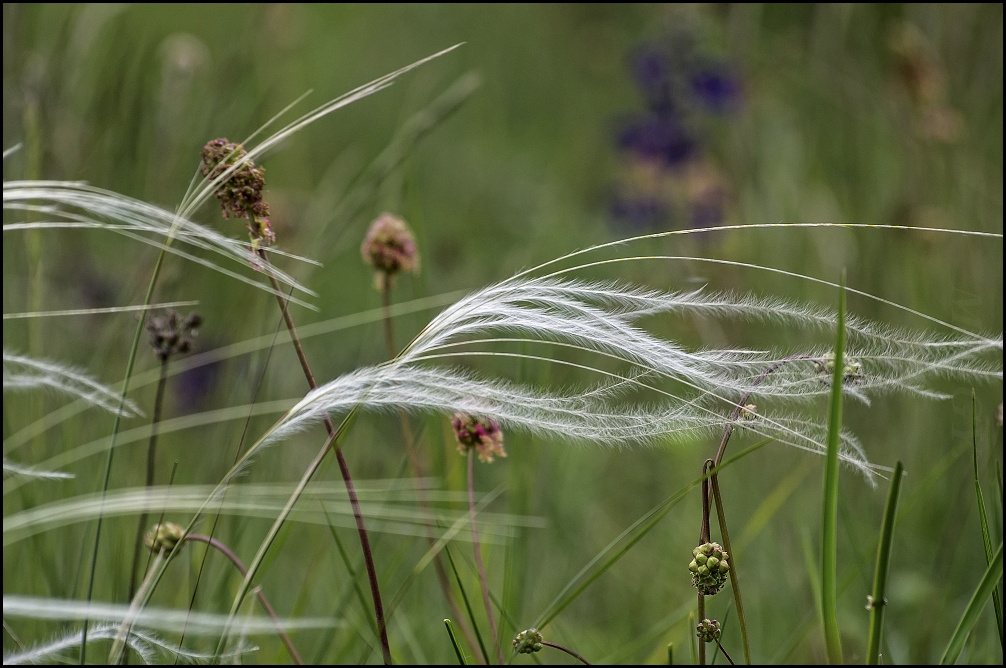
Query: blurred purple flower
x,y
716,88
660,138
638,212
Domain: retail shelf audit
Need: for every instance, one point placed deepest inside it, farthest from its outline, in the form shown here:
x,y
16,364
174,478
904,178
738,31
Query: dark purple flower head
x,y
661,138
651,69
716,88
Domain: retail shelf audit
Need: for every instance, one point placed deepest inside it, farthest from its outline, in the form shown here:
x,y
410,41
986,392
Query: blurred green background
x,y
552,128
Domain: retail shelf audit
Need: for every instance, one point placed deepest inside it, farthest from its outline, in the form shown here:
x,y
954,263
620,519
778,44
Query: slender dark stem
x,y
226,551
739,408
721,516
478,556
702,615
417,469
566,650
151,467
216,517
130,361
725,653
354,501
704,529
735,586
703,539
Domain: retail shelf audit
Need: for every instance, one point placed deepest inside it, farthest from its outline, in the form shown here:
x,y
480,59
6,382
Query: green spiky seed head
x,y
163,537
708,630
528,641
709,568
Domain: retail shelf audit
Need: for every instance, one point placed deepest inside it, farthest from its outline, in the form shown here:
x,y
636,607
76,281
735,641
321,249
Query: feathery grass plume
x,y
391,508
166,620
75,205
598,318
28,472
26,373
147,646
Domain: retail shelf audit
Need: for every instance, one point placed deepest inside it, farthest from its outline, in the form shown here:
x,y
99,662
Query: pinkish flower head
x,y
482,435
390,248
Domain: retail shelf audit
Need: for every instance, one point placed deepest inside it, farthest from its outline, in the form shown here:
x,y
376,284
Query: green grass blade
x,y
454,642
130,361
878,602
993,574
596,567
468,605
982,517
829,519
353,571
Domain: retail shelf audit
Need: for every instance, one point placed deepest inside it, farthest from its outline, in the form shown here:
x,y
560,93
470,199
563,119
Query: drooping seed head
x,y
240,194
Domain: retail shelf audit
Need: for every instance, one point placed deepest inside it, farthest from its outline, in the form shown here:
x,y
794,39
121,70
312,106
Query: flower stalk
x,y
241,196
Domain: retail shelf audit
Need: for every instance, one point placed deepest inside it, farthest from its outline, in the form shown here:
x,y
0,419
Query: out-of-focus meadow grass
x,y
509,151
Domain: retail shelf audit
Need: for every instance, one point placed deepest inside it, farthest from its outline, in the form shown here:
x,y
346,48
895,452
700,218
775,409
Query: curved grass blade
x,y
595,567
986,540
468,604
877,601
454,642
989,581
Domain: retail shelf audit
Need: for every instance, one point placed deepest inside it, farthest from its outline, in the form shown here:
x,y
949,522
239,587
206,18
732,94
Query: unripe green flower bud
x,y
528,641
711,567
163,537
708,630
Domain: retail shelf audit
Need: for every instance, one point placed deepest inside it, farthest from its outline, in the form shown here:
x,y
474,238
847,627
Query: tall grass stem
x,y
878,601
829,506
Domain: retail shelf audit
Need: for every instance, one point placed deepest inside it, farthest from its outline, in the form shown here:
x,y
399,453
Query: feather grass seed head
x,y
390,247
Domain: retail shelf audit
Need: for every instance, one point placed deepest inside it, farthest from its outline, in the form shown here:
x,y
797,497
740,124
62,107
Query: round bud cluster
x,y
390,248
163,537
169,334
528,641
484,435
708,630
709,568
852,370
